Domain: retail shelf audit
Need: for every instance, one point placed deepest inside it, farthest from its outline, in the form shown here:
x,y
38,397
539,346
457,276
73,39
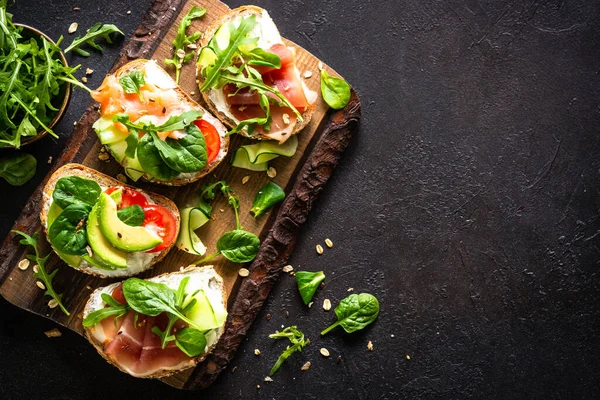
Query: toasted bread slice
x,y
135,265
209,279
166,82
210,97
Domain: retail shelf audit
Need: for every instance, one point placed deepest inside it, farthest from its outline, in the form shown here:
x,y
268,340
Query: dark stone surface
x,y
468,203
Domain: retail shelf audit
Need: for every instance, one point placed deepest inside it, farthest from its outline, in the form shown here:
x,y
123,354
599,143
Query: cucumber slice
x,y
207,57
107,132
132,166
118,150
192,218
256,157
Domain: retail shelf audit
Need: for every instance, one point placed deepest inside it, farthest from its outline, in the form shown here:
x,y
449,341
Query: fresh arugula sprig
x,y
41,273
297,341
114,308
181,40
97,31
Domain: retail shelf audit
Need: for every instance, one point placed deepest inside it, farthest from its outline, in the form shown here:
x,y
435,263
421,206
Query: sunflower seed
x,y
24,264
307,74
306,366
256,352
288,268
245,179
271,172
319,249
35,269
243,272
84,79
324,352
52,303
329,243
73,27
40,285
326,304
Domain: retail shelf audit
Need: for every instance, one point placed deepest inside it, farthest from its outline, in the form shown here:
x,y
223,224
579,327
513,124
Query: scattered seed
x,y
40,285
180,53
350,289
119,235
192,93
310,304
128,12
256,352
88,287
73,27
84,79
287,314
245,179
192,46
370,346
320,65
89,71
103,157
326,304
319,249
76,8
329,243
24,264
324,352
89,251
50,160
52,303
307,74
306,366
221,209
233,369
271,172
53,333
288,268
36,269
243,272
268,379
122,178
75,123
258,386
286,118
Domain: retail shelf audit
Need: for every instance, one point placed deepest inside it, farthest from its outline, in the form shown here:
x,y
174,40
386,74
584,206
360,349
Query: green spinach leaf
x,y
68,232
269,195
336,91
114,308
308,283
187,154
132,215
132,83
239,246
355,312
75,190
98,30
152,162
191,341
17,168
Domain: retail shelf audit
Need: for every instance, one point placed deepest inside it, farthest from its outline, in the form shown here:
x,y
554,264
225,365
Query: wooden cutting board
x,y
302,176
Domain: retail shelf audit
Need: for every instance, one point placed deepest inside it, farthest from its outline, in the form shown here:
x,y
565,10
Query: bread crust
x,y
104,181
209,33
163,372
137,65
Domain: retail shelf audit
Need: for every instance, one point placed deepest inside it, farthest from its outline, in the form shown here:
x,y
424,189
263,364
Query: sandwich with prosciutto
x,y
156,327
248,77
100,226
154,129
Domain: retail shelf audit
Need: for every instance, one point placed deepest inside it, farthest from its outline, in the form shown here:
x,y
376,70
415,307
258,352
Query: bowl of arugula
x,y
36,83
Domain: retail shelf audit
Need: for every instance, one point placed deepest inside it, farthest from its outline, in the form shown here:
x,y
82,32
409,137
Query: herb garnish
x,y
268,195
133,215
298,343
17,168
355,312
308,283
336,91
132,83
114,308
98,30
41,273
182,39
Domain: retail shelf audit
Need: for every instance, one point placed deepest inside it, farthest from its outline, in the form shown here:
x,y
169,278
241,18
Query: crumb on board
x,y
73,27
306,366
53,333
256,352
326,304
370,346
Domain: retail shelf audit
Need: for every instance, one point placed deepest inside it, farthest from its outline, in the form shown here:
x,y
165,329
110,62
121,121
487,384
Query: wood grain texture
x,y
303,176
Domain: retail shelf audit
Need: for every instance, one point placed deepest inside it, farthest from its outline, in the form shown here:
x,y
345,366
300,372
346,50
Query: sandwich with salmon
x,y
248,77
156,327
154,129
100,226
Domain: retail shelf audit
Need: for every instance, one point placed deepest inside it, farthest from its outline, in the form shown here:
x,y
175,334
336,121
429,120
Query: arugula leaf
x,y
336,91
17,168
98,30
74,190
114,308
308,283
68,232
269,195
355,312
41,273
297,340
132,83
182,39
132,215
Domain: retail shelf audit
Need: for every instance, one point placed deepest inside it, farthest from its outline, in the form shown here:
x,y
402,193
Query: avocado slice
x,y
122,236
202,313
101,247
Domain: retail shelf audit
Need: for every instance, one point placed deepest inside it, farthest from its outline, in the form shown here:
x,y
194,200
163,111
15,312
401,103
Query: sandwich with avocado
x,y
154,129
100,226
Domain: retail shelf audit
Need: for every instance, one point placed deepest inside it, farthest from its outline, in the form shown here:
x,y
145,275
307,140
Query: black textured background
x,y
468,203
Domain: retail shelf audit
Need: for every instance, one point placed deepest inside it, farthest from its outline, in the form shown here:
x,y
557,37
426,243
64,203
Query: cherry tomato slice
x,y
129,197
212,138
160,221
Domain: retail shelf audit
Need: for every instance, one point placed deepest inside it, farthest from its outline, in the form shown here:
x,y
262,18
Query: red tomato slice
x,y
160,221
212,138
129,197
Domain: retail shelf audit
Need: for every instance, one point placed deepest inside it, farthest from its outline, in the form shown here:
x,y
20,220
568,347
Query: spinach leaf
x,y
132,143
41,273
308,283
239,246
182,39
191,341
166,336
98,30
269,195
74,190
132,83
68,232
114,308
132,215
355,312
152,162
296,339
336,91
17,168
187,154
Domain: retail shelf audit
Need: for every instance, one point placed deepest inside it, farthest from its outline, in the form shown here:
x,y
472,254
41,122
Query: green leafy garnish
x,y
336,91
41,273
132,215
17,168
132,83
114,308
75,190
68,232
268,195
181,40
355,312
297,344
97,31
308,283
